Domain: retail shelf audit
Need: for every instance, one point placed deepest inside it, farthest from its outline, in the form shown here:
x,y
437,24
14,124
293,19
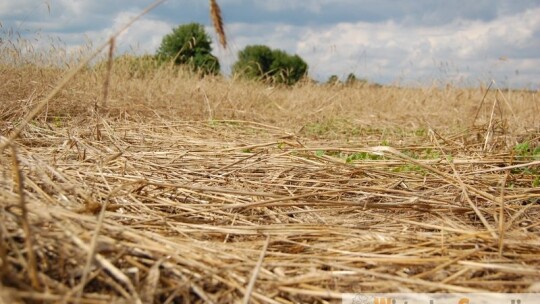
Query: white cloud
x,y
144,36
19,7
281,5
386,50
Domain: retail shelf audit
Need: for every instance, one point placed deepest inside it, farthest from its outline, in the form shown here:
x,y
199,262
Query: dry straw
x,y
164,206
179,211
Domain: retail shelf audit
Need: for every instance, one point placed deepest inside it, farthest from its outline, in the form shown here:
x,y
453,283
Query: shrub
x,y
259,62
333,80
352,80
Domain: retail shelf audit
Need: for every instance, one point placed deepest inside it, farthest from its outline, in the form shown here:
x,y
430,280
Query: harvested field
x,y
178,189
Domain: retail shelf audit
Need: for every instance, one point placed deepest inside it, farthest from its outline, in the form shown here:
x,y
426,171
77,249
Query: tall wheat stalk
x,y
217,20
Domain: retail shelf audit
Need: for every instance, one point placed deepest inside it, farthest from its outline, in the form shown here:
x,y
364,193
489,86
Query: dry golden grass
x,y
181,189
175,94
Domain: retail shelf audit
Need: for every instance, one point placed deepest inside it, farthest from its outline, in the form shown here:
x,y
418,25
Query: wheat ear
x,y
217,20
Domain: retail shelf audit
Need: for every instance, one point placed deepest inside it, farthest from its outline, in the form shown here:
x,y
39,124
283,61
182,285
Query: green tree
x,y
189,45
333,80
287,69
351,79
254,62
262,63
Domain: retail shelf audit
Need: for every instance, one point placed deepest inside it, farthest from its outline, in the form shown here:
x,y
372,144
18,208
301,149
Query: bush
x,y
333,80
190,45
352,80
275,66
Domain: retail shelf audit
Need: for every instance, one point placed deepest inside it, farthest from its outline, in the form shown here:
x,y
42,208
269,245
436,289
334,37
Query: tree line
x,y
190,46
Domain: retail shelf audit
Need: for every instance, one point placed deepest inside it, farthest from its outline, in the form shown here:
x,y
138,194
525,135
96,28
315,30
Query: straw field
x,y
163,187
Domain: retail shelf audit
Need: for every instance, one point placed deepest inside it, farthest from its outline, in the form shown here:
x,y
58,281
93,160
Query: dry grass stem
x,y
18,179
91,253
253,279
107,82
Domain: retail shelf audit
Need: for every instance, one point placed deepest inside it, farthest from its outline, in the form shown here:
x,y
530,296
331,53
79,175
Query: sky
x,y
408,42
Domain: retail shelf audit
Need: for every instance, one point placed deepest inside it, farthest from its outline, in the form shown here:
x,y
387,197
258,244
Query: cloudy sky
x,y
409,41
